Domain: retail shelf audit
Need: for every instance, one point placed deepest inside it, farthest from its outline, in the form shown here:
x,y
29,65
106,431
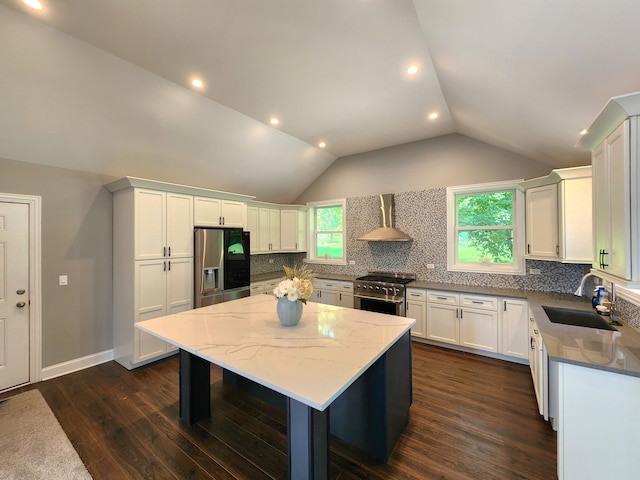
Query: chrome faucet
x,y
580,289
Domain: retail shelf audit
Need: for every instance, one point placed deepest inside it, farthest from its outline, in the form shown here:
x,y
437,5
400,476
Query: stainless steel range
x,y
382,292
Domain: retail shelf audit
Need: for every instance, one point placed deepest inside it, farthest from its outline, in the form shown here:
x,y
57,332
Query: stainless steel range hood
x,y
387,232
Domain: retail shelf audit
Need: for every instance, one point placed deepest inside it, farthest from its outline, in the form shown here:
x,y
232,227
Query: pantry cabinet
x,y
214,212
558,216
293,228
152,267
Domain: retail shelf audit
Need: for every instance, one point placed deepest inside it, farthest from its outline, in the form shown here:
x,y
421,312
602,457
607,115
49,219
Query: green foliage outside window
x,y
485,227
329,232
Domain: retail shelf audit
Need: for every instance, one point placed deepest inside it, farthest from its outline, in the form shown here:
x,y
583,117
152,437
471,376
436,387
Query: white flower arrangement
x,y
298,285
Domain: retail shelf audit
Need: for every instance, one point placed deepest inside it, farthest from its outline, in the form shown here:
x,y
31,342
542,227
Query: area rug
x,y
33,444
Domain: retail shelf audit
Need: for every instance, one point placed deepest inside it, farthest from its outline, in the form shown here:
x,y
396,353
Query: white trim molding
x,y
35,279
77,364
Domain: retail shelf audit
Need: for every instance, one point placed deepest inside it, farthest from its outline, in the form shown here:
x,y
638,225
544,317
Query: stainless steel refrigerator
x,y
222,267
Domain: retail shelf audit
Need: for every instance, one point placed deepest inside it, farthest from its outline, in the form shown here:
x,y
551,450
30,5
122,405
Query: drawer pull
x,y
442,298
477,301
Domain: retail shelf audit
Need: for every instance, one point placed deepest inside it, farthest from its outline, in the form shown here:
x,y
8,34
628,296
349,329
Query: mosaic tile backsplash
x,y
422,215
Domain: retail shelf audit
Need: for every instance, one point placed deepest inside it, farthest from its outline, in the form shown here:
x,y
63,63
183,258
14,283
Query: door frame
x,y
35,279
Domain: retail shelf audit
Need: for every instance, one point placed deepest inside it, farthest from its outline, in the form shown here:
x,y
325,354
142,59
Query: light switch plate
x,y
62,280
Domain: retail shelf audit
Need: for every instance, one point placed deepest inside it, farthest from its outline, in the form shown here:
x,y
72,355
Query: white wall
x,y
438,162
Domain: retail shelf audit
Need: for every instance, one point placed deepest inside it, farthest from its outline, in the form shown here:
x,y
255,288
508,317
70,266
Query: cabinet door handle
x,y
533,343
528,248
164,251
461,313
164,266
557,249
505,306
169,249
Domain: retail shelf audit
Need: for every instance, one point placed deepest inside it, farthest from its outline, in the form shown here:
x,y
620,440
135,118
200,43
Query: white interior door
x,y
14,294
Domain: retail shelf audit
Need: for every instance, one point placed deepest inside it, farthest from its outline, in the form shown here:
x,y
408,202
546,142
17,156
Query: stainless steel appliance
x,y
382,292
222,268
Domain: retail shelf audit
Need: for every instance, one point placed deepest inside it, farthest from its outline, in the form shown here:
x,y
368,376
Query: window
x,y
327,232
485,226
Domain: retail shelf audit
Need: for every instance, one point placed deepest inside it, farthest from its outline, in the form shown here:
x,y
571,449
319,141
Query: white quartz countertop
x,y
313,362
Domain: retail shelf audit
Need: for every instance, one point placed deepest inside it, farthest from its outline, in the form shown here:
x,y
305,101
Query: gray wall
x,y
76,241
439,162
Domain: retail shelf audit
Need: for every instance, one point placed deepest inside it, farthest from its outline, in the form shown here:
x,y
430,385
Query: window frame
x,y
312,232
518,267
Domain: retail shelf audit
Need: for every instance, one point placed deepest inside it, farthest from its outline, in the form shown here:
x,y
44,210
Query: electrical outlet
x,y
534,271
352,262
63,280
430,266
271,260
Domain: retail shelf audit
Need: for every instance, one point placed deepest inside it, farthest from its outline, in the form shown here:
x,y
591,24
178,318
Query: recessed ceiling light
x,y
274,121
322,144
412,70
196,82
433,115
584,132
35,4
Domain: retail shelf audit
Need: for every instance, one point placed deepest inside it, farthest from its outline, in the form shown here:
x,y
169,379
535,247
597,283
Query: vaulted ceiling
x,y
106,86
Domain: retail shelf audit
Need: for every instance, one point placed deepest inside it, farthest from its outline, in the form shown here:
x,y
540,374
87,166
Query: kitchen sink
x,y
579,318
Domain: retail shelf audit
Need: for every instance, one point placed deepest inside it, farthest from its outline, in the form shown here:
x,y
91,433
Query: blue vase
x,y
289,312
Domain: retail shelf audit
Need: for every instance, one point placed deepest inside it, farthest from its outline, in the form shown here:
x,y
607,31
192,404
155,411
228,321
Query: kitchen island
x,y
340,371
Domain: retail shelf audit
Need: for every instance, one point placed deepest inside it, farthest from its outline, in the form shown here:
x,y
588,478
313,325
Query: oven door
x,y
380,305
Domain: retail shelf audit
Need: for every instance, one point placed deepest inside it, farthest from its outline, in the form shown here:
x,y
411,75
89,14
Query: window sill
x,y
322,261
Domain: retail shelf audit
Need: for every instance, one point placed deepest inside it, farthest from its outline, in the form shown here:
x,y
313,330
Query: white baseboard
x,y
77,364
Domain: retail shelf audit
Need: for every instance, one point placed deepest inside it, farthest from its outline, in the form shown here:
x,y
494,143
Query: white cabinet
x,y
162,224
345,294
152,267
442,317
214,212
332,292
614,140
542,222
264,224
163,287
479,322
598,424
265,286
539,365
514,328
417,308
615,212
293,228
558,216
463,319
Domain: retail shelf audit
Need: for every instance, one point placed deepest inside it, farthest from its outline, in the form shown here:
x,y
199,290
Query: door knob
x,y
20,304
20,291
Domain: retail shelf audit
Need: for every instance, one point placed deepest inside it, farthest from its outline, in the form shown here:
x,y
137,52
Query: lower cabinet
x,y
264,286
462,319
478,322
332,292
417,308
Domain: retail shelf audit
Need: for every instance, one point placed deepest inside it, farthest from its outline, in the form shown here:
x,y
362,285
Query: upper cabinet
x,y
614,139
558,216
263,222
214,212
293,229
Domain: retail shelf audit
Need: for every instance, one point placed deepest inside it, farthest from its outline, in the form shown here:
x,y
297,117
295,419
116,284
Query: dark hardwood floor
x,y
472,418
